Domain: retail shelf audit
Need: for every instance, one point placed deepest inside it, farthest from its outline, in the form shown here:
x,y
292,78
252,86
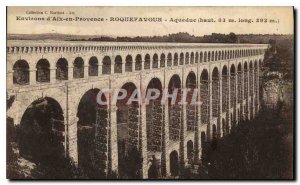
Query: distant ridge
x,y
48,36
181,37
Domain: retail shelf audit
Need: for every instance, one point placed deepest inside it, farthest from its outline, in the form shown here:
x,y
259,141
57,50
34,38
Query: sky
x,y
282,15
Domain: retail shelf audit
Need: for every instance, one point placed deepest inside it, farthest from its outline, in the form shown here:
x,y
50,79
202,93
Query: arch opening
x,y
212,56
205,57
225,89
191,107
155,61
118,64
154,127
224,127
175,59
181,59
187,58
246,75
174,164
43,71
192,59
169,60
208,57
93,66
106,65
190,152
138,63
197,58
204,97
251,88
201,57
214,132
163,60
92,134
154,118
62,69
215,92
128,64
255,83
128,132
21,73
78,70
41,135
174,108
233,92
147,62
239,83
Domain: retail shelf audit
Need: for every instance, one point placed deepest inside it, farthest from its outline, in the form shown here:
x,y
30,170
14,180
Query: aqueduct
x,y
68,74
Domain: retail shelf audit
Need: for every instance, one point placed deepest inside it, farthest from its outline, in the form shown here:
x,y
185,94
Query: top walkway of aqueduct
x,y
11,44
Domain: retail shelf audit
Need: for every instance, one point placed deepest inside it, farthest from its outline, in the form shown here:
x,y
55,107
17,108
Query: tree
x,y
232,37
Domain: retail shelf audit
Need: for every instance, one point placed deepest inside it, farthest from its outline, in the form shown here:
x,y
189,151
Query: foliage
x,y
280,57
258,149
181,37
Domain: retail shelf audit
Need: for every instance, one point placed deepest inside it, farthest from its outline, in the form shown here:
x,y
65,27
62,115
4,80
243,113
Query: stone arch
x,y
223,55
197,58
204,96
233,91
155,61
256,82
225,89
62,69
106,65
251,86
43,71
154,116
203,140
212,56
174,163
78,68
169,60
93,66
191,107
41,132
232,120
214,132
181,58
128,140
192,60
201,56
138,62
208,57
176,59
128,63
239,88
224,127
21,72
162,60
92,133
147,62
174,108
187,58
190,152
246,75
238,116
118,64
215,91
